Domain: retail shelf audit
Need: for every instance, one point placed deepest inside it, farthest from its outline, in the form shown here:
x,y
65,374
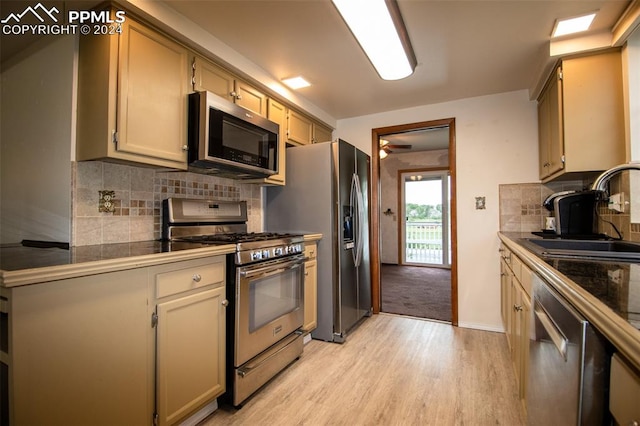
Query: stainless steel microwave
x,y
228,140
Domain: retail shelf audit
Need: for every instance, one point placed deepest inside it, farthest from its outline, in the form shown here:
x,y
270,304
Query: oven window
x,y
272,297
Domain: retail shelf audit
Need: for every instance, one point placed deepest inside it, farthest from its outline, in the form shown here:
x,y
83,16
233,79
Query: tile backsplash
x,y
139,192
521,207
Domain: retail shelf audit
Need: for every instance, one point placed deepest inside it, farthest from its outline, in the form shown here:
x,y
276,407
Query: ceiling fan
x,y
388,148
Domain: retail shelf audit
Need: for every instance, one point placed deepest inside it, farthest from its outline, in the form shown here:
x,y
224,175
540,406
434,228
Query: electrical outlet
x,y
106,202
615,275
616,202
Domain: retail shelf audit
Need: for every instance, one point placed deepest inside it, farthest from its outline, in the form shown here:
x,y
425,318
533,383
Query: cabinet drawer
x,y
525,279
188,276
310,251
516,267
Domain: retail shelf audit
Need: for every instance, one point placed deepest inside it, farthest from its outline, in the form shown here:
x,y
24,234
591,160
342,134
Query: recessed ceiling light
x,y
296,82
572,25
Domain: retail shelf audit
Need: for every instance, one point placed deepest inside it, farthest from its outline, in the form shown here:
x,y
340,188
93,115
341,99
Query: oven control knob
x,y
265,254
256,255
278,251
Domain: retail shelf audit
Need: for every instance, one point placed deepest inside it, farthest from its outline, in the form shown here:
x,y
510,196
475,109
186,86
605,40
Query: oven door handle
x,y
269,270
558,339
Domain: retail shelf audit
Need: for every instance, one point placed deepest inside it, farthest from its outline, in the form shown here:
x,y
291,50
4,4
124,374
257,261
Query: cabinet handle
x,y
185,148
197,278
311,253
225,303
517,308
233,94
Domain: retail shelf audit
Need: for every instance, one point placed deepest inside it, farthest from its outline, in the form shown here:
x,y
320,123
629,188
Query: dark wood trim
x,y
375,207
399,206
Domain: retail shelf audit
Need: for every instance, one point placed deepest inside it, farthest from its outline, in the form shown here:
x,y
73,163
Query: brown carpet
x,y
416,291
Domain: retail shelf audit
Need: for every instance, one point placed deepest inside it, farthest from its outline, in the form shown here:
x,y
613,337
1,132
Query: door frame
x,y
376,206
401,209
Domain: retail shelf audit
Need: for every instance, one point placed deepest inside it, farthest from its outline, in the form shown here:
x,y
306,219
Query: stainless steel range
x,y
265,285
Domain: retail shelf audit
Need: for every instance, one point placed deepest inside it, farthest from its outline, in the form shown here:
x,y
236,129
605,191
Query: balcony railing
x,y
423,242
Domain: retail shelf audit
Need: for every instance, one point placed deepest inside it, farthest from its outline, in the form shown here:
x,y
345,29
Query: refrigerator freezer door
x,y
346,309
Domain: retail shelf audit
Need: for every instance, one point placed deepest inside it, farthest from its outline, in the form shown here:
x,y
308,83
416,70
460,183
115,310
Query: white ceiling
x,y
464,48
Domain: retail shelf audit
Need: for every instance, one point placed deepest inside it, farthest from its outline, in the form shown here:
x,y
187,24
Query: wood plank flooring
x,y
392,370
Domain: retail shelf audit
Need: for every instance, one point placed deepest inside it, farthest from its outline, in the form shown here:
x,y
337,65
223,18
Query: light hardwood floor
x,y
392,370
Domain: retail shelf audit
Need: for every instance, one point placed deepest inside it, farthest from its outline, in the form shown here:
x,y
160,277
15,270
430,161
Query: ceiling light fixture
x,y
296,82
383,154
572,25
380,30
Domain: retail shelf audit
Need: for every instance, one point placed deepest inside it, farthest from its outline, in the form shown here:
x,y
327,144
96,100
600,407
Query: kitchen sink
x,y
588,249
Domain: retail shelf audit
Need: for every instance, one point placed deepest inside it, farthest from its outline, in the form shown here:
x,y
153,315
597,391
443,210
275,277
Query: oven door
x,y
269,305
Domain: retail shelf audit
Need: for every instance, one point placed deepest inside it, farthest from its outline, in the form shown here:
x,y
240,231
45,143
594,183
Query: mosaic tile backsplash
x,y
138,199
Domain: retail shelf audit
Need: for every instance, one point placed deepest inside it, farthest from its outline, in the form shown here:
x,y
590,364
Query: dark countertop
x,y
21,265
607,293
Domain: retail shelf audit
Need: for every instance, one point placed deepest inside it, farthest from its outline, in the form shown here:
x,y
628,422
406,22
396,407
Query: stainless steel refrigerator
x,y
327,191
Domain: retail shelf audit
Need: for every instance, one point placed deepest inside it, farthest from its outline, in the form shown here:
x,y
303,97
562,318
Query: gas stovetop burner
x,y
238,237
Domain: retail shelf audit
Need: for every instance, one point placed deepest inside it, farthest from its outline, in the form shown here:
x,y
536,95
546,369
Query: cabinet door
x,y
190,354
153,86
277,112
81,351
556,122
300,128
525,324
321,133
550,138
505,296
544,134
210,77
251,98
310,295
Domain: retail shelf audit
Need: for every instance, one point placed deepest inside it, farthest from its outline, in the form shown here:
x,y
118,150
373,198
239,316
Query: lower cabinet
x,y
310,287
134,347
190,335
515,292
624,392
79,351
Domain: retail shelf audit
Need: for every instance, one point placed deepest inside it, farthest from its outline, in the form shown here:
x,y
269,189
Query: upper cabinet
x,y
321,133
212,78
132,90
581,116
304,131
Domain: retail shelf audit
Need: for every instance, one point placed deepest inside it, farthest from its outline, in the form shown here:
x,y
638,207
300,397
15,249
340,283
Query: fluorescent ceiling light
x,y
378,27
296,82
572,25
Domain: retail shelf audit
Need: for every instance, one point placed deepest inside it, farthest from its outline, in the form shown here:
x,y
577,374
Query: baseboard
x,y
482,327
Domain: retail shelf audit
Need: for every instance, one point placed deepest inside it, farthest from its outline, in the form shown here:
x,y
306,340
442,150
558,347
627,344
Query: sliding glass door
x,y
425,218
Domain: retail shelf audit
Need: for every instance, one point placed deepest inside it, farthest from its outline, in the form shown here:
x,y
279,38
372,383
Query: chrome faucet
x,y
601,181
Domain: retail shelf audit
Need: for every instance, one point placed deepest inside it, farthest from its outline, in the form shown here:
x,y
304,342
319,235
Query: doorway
x,y
424,225
449,230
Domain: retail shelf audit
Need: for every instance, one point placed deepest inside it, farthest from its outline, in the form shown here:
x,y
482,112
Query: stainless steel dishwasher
x,y
568,366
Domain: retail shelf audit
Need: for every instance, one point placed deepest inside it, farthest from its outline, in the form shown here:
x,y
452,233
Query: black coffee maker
x,y
575,213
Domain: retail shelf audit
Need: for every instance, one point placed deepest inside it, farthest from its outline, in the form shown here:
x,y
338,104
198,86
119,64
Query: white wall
x,y
36,143
496,143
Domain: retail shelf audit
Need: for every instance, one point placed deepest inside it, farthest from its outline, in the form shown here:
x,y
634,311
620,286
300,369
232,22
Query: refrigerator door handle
x,y
353,207
358,219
